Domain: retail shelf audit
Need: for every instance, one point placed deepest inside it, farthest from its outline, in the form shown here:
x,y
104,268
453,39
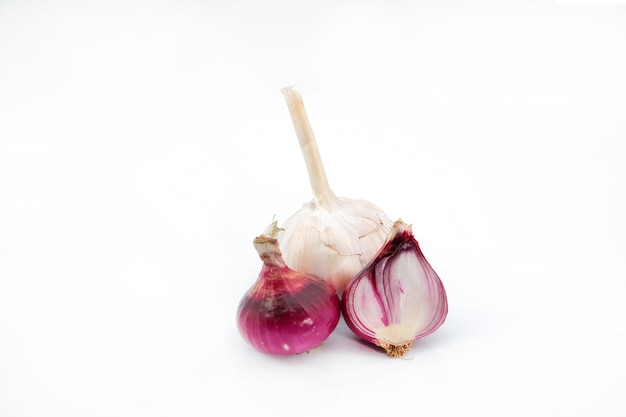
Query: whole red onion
x,y
286,312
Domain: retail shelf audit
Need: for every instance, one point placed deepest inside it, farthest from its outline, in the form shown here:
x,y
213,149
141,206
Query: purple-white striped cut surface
x,y
398,297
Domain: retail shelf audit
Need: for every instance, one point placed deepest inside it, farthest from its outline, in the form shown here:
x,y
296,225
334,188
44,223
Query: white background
x,y
143,145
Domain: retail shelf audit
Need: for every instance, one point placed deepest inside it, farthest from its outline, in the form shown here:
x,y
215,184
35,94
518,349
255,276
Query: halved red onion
x,y
398,297
286,312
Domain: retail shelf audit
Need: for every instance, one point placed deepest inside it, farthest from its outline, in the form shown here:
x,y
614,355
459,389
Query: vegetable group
x,y
335,245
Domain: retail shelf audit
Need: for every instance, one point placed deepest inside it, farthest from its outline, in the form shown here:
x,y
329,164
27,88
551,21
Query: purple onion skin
x,y
286,312
383,295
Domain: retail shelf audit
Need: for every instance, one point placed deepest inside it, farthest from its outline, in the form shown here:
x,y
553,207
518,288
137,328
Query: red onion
x,y
286,312
398,297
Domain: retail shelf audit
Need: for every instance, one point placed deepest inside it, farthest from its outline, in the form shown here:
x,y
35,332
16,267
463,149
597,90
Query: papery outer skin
x,y
286,312
398,297
334,243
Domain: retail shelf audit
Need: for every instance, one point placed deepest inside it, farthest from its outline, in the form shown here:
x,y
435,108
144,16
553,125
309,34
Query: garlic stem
x,y
321,190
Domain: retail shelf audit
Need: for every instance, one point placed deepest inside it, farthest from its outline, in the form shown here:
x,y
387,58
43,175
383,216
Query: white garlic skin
x,y
334,241
330,237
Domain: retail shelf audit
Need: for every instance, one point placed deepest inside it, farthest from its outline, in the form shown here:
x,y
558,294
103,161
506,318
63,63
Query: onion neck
x,y
269,251
319,183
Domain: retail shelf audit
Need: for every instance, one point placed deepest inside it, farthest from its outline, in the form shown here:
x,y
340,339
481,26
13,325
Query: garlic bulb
x,y
330,237
398,297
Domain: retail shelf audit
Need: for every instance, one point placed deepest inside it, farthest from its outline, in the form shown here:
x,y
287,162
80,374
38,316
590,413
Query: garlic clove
x,y
330,237
398,297
285,312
